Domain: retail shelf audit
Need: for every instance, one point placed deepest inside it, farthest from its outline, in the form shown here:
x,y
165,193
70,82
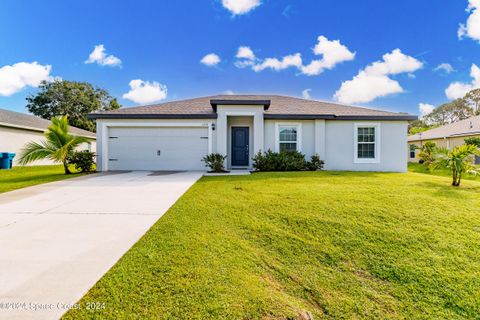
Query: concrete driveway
x,y
58,239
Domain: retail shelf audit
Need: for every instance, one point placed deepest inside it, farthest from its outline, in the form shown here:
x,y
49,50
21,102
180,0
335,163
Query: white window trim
x,y
375,125
288,124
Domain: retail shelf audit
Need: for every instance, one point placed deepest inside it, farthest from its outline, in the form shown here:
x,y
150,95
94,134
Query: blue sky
x,y
161,44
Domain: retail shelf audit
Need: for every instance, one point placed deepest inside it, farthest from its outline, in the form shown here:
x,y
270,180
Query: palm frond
x,y
36,151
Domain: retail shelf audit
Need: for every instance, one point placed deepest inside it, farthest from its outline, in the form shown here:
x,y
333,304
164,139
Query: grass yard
x,y
420,168
282,245
21,177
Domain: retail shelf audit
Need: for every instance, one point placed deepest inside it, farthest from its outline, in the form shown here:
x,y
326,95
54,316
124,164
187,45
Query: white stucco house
x,y
18,129
176,135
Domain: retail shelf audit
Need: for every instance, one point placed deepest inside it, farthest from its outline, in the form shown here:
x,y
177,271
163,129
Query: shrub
x,y
291,161
82,160
215,161
475,141
427,153
315,163
265,161
285,161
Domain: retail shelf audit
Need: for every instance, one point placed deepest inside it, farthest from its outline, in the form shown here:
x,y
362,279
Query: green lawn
x,y
420,168
278,245
21,177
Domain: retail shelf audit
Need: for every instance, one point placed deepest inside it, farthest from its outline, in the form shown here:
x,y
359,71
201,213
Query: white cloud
x,y
245,53
210,60
100,57
425,109
228,92
294,60
457,90
472,28
332,52
306,94
145,92
445,67
374,81
239,7
14,78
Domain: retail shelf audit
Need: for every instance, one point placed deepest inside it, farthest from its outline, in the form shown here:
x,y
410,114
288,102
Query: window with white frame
x,y
367,143
288,136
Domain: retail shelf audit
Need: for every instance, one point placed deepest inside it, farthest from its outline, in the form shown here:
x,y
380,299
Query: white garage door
x,y
167,148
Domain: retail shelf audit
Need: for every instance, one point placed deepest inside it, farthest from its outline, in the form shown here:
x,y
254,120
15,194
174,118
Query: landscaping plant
x,y
285,161
58,146
83,160
459,161
427,153
215,161
473,141
315,163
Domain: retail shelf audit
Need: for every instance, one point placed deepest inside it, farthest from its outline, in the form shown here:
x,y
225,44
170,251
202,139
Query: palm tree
x,y
459,161
59,144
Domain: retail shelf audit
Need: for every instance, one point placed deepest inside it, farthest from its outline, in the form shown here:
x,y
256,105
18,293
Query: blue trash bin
x,y
6,160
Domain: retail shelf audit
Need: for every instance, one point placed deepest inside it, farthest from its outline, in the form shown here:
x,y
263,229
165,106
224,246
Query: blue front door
x,y
240,152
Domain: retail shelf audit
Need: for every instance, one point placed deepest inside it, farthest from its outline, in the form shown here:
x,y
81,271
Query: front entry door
x,y
240,153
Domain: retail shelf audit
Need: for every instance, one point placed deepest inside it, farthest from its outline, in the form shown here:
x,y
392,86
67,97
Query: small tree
x,y
427,153
459,161
58,146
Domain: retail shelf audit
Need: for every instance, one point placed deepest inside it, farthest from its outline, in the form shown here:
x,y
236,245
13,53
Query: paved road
x,y
58,239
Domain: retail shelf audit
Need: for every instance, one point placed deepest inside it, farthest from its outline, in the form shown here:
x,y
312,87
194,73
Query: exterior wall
x,y
332,140
340,146
14,139
449,143
103,126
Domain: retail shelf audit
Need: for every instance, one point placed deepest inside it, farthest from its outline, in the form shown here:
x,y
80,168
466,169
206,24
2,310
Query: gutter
x,y
94,116
27,128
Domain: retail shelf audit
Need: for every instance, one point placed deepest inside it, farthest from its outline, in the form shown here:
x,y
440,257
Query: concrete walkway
x,y
58,239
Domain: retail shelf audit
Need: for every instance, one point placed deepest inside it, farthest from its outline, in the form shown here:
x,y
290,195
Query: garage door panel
x,y
157,148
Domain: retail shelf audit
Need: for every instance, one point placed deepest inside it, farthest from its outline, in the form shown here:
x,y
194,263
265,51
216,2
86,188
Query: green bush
x,y
82,160
285,161
315,163
427,153
215,161
475,141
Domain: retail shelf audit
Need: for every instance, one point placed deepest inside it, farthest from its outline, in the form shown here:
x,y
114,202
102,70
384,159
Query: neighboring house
x,y
18,129
176,135
448,136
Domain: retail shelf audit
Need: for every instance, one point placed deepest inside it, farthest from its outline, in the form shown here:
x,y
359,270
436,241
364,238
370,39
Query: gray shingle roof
x,y
280,107
470,126
21,120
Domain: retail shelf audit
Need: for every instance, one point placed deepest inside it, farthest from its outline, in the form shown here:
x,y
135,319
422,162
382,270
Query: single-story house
x,y
17,129
177,135
448,136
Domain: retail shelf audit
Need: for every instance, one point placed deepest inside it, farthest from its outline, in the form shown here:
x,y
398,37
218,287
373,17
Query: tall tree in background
x,y
449,112
472,99
70,98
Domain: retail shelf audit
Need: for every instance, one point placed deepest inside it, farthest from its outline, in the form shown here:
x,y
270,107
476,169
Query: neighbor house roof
x,y
467,127
26,121
276,107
